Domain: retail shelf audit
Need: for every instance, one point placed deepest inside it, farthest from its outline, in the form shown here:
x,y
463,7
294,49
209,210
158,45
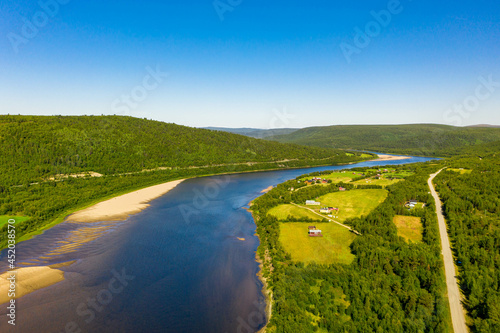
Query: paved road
x,y
457,312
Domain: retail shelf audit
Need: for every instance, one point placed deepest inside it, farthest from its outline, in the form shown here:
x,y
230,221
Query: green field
x,y
353,203
336,177
409,227
333,247
4,219
399,174
461,170
382,182
282,212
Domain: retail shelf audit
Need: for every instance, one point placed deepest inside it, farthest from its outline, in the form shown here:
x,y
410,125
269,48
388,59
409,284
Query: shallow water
x,y
181,265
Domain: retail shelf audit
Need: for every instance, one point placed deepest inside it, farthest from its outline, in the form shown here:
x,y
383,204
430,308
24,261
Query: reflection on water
x,y
191,272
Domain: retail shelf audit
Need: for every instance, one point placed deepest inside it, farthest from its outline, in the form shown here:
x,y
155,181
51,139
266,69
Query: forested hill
x,y
417,139
36,147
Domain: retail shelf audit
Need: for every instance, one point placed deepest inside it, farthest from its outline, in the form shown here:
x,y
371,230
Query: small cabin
x,y
315,233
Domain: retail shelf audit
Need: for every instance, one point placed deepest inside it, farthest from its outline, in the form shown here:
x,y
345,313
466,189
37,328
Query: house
x,y
312,203
324,210
313,232
413,202
341,189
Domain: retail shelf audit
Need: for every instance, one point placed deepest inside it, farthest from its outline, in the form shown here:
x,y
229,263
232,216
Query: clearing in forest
x,y
409,227
333,247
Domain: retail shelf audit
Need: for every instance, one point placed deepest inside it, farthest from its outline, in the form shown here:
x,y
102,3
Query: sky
x,y
253,63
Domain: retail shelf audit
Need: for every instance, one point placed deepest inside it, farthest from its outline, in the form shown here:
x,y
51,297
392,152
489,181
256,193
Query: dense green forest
x,y
34,147
419,139
470,191
37,150
391,286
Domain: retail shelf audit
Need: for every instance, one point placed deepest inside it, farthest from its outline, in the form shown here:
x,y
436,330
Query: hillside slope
x,y
418,139
34,147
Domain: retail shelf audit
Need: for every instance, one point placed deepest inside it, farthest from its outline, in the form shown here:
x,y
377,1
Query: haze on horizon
x,y
254,63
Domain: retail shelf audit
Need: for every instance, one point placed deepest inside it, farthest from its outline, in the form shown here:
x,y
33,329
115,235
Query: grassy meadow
x,y
353,203
4,219
409,227
333,247
282,212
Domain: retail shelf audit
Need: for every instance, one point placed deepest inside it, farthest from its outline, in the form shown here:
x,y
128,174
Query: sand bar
x,y
382,157
119,208
28,280
267,189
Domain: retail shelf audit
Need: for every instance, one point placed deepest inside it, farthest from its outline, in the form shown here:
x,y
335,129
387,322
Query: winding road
x,y
457,311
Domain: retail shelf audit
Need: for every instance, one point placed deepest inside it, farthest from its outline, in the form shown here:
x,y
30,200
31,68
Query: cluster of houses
x,y
328,210
313,232
315,180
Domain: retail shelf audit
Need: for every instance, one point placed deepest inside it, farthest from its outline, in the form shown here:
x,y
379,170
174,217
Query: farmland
x,y
354,203
333,247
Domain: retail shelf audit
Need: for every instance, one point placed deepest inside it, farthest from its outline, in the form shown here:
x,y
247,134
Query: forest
x,y
470,191
416,139
39,152
391,286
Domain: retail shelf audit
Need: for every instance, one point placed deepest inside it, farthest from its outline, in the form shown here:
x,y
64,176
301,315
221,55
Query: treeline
x,y
391,286
471,203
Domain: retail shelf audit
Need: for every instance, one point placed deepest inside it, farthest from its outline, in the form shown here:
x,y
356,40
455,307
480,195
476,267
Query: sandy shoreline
x,y
382,157
267,189
121,207
28,280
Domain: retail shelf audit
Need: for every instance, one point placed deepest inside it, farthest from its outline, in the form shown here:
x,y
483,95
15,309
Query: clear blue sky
x,y
262,58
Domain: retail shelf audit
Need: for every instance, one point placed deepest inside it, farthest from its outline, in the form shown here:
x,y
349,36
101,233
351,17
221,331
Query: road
x,y
454,297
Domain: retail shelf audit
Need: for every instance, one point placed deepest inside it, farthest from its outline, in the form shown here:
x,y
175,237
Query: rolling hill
x,y
417,139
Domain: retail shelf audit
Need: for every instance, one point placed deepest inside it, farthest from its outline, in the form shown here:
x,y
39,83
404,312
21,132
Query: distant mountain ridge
x,y
413,139
254,132
485,125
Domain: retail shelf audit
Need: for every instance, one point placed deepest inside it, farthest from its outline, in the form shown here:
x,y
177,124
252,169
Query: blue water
x,y
180,264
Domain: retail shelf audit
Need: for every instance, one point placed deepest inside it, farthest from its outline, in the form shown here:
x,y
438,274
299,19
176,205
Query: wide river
x,y
186,264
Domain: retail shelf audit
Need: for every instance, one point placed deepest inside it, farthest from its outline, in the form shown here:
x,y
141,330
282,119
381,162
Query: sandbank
x,y
28,280
382,157
267,189
121,207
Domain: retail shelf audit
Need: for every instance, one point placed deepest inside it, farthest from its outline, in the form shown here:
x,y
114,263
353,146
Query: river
x,y
185,264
